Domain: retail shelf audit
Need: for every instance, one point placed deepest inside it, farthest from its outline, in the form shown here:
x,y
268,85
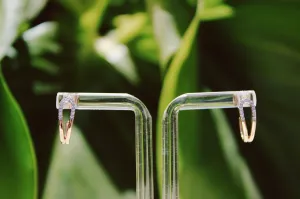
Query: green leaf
x,y
113,46
89,15
41,40
18,164
211,3
132,33
219,12
170,19
208,3
167,35
118,55
33,7
90,20
128,27
146,48
75,173
78,7
14,13
11,18
183,66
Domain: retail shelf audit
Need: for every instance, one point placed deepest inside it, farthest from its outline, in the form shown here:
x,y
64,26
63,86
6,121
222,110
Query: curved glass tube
x,y
190,101
143,131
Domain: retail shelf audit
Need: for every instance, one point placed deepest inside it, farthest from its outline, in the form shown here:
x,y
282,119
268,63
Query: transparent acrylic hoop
x,y
143,130
190,101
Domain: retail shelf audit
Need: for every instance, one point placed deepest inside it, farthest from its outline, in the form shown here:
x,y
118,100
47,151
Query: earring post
x,y
143,130
190,101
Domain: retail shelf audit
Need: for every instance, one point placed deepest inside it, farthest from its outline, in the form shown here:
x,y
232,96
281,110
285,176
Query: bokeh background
x,y
154,50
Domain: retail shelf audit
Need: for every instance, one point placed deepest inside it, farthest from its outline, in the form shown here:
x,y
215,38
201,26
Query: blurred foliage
x,y
76,167
18,163
154,50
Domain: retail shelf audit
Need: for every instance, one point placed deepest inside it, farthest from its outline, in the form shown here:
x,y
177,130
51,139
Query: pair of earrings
x,y
143,130
71,101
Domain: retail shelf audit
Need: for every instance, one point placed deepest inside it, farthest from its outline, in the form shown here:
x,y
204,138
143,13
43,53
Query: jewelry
x,y
242,121
65,131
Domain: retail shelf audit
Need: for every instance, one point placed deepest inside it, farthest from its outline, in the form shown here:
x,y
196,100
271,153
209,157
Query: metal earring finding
x,y
66,130
242,121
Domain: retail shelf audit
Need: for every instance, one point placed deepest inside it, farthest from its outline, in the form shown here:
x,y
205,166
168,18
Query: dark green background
x,y
174,47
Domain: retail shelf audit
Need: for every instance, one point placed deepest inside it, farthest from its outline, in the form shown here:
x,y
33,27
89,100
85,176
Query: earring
x,y
243,126
65,131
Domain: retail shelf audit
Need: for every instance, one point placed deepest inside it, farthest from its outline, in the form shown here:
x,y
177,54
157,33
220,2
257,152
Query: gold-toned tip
x,y
244,131
65,131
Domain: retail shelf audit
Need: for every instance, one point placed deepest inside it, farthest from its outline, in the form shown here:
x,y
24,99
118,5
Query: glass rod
x,y
190,101
143,131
